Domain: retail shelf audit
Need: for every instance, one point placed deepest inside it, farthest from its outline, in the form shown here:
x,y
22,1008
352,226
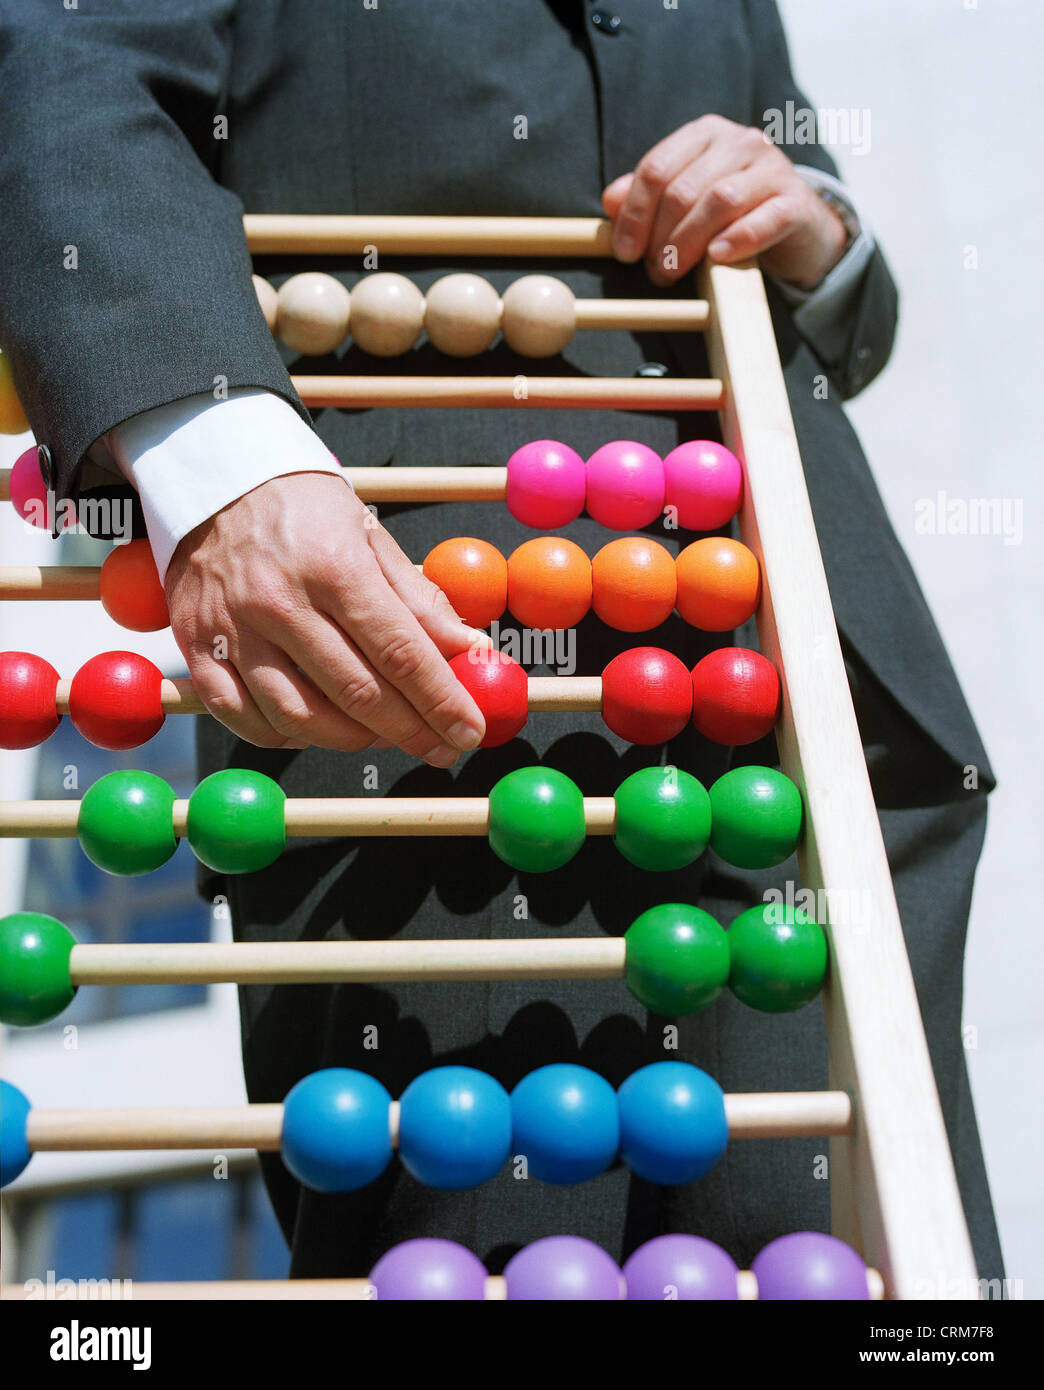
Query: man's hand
x,y
302,623
721,189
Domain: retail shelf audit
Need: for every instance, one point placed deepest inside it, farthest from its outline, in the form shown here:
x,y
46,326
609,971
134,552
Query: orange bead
x,y
473,575
719,584
131,592
549,583
634,584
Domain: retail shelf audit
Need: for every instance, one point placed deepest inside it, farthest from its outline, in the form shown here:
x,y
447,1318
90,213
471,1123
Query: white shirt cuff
x,y
823,315
194,456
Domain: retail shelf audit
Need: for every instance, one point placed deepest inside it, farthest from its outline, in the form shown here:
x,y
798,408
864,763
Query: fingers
x,y
400,652
763,227
705,201
352,682
226,697
425,600
293,706
633,223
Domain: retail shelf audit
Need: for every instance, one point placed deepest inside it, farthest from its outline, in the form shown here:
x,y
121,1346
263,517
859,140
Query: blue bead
x,y
14,1141
454,1127
336,1135
566,1122
672,1122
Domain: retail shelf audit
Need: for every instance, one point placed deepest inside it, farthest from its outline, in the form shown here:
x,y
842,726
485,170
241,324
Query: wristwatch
x,y
847,216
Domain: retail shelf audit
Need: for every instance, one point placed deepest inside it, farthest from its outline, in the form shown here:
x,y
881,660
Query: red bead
x,y
114,700
736,695
500,688
646,695
28,689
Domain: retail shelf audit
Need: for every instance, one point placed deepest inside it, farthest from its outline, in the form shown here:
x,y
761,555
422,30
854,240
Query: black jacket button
x,y
605,22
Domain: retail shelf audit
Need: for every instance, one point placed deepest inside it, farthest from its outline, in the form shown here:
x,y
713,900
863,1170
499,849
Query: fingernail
x,y
625,247
721,247
442,757
465,736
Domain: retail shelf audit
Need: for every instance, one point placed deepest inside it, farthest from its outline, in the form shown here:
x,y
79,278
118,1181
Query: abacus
x,y
898,1227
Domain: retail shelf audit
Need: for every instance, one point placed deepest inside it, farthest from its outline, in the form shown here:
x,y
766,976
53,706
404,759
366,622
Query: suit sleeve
x,y
125,279
873,308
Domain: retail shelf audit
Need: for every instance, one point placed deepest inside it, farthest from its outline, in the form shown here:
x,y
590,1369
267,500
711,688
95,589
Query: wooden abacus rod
x,y
572,694
643,315
57,582
320,1290
349,816
347,234
760,1115
331,962
504,392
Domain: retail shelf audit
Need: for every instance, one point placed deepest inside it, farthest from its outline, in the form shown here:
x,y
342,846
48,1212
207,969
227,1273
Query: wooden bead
x,y
131,592
268,300
28,687
462,314
546,484
736,695
719,584
634,584
12,416
549,583
646,695
314,312
29,494
387,314
114,700
539,316
500,688
624,485
704,483
473,575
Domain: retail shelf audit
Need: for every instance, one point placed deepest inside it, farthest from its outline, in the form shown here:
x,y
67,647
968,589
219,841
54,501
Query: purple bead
x,y
427,1271
566,1268
808,1265
682,1267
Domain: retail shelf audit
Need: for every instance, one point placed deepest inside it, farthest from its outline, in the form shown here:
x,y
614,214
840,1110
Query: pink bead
x,y
624,485
705,482
546,484
29,494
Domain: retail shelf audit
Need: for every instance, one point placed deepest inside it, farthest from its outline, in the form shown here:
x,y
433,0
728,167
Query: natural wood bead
x,y
462,314
268,299
387,314
313,313
539,316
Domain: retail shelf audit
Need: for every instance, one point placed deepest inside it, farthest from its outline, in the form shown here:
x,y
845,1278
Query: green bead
x,y
126,823
34,968
536,819
663,818
237,821
756,817
779,957
677,959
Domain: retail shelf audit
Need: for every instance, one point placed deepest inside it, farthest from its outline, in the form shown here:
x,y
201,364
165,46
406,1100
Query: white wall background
x,y
955,161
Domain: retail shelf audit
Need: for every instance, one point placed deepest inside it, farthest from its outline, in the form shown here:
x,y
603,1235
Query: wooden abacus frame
x,y
893,1190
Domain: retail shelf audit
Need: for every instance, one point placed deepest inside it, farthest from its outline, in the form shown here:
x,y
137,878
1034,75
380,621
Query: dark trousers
x,y
933,830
